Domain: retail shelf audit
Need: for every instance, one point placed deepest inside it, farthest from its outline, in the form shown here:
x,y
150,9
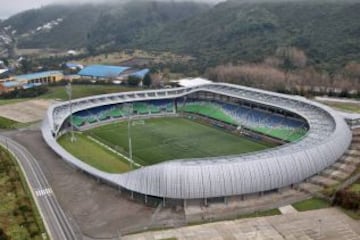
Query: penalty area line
x,y
113,151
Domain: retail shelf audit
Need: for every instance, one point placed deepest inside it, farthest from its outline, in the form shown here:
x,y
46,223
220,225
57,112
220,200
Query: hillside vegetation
x,y
19,218
328,32
96,24
236,32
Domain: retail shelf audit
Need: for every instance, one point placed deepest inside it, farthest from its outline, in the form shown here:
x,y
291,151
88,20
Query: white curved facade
x,y
326,141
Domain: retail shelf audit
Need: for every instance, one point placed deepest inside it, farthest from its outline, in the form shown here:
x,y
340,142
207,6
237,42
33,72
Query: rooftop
x,y
102,71
192,82
10,84
140,73
31,76
74,65
3,70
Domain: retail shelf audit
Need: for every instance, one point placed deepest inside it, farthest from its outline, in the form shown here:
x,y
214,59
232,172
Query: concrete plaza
x,y
326,224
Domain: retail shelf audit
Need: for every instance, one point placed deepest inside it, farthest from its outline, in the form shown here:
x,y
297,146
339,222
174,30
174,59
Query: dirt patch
x,y
25,112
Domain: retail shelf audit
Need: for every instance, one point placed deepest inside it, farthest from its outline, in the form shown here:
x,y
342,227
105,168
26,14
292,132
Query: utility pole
x,y
69,93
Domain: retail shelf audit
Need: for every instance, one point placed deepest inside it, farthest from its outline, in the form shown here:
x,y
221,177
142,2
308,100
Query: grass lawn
x,y
19,218
10,101
7,123
311,204
58,92
355,187
79,91
348,107
164,139
354,214
265,213
94,154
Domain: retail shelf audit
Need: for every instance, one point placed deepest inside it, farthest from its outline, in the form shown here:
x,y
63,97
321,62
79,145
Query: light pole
x,y
129,108
68,89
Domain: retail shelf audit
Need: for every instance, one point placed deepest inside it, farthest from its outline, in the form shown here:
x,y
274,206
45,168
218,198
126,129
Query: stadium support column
x,y
146,199
163,202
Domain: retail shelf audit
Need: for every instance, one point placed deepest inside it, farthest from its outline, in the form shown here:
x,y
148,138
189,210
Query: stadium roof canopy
x,y
30,76
326,141
102,71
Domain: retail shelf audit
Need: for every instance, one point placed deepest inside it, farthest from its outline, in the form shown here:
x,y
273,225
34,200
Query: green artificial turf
x,y
157,140
93,154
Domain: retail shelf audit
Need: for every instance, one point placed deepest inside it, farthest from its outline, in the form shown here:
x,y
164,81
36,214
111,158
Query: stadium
x,y
202,142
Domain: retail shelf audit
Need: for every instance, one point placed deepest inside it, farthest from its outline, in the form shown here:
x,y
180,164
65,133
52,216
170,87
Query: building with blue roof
x,y
11,84
30,80
40,77
102,71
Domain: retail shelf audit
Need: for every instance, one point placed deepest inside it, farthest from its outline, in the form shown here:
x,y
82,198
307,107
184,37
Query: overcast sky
x,y
10,7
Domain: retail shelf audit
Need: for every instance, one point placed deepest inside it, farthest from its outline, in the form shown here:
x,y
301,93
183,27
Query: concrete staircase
x,y
336,173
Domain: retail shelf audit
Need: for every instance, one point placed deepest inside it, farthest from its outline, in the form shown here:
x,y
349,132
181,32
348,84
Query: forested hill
x,y
232,31
76,26
328,32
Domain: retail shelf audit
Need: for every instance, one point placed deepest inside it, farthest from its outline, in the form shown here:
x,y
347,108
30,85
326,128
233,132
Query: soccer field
x,y
158,140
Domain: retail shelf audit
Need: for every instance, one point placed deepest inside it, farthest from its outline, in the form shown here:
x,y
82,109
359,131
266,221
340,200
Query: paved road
x,y
56,223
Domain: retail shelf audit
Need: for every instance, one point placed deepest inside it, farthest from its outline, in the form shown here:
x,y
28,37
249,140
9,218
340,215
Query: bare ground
x,y
27,111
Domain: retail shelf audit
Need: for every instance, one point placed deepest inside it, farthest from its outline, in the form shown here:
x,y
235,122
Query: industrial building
x,y
30,80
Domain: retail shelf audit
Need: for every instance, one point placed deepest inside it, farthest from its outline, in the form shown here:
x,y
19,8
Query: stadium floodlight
x,y
129,109
68,89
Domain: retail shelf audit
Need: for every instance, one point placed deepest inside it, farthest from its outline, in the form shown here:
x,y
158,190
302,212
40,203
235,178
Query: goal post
x,y
138,122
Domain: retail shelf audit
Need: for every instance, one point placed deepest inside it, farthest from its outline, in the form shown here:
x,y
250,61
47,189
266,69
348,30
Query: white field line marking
x,y
114,151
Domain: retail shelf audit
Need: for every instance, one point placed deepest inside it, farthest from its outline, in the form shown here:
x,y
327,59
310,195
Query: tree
x,y
3,235
26,65
133,81
147,80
